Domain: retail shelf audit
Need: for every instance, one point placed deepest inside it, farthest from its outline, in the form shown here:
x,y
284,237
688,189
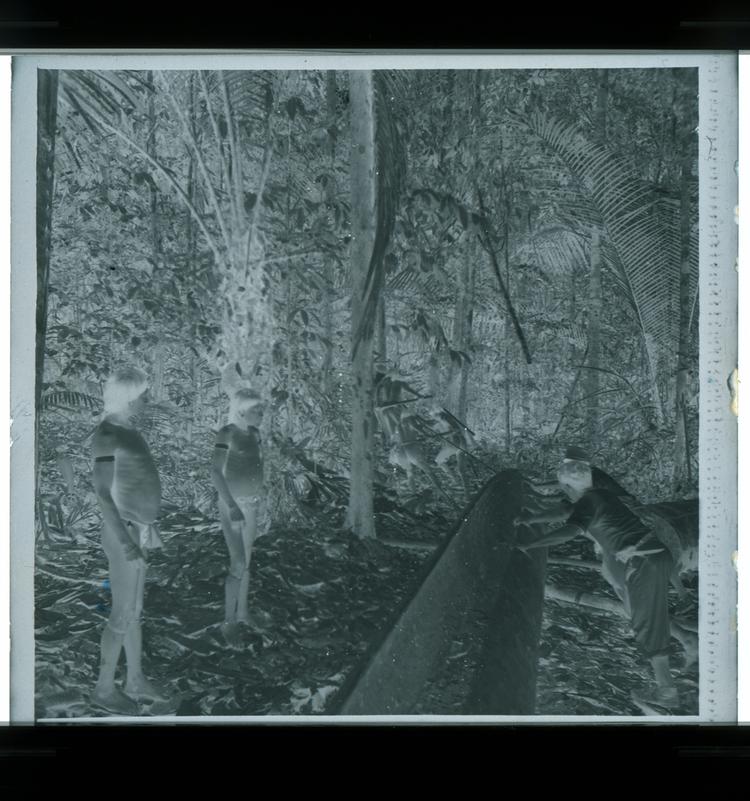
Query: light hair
x,y
244,398
574,472
122,387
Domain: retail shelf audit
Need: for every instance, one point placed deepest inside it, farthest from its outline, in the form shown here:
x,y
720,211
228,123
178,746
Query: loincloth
x,y
249,500
148,535
257,504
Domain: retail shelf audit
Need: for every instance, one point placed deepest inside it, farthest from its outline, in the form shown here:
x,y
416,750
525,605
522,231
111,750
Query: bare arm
x,y
554,514
537,487
556,537
221,448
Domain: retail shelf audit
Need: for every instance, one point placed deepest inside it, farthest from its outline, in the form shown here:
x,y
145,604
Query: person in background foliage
x,y
129,493
237,473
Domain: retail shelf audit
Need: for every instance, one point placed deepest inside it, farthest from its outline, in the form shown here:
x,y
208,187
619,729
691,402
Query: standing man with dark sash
x,y
238,477
129,492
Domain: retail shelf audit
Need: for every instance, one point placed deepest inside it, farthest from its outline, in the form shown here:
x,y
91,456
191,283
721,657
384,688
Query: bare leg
x,y
234,540
662,673
133,637
137,684
688,640
665,696
249,532
123,576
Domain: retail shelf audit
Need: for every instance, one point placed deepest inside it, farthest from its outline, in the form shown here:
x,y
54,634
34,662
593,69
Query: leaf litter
x,y
317,596
317,599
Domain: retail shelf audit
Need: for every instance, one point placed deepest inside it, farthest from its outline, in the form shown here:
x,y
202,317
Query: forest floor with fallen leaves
x,y
318,597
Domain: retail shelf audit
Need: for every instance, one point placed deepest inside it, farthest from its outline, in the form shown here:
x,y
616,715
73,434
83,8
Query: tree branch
x,y
234,150
170,178
487,244
560,560
601,602
217,137
570,395
267,153
190,140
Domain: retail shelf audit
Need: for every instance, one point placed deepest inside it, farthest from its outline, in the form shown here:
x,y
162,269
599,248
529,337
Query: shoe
x,y
114,701
661,698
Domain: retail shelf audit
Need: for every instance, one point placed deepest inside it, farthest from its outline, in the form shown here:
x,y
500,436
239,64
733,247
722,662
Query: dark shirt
x,y
243,469
136,490
602,515
604,481
601,481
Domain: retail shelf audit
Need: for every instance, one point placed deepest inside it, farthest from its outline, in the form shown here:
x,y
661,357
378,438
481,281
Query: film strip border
x,y
718,359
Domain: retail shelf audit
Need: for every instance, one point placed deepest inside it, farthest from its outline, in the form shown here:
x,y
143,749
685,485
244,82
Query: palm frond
x,y
97,94
643,227
120,88
555,248
575,333
411,282
71,400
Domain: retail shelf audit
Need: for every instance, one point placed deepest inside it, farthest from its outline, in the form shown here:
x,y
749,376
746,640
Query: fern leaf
x,y
73,401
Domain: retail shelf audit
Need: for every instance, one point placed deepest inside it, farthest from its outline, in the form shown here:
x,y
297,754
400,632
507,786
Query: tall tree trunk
x,y
47,81
508,352
160,353
682,477
45,172
602,96
462,337
462,326
469,277
191,246
360,517
382,335
592,376
154,204
332,103
591,383
248,323
328,298
191,187
463,323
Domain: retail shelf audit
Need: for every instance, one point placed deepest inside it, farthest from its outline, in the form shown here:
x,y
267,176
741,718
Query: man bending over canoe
x,y
637,565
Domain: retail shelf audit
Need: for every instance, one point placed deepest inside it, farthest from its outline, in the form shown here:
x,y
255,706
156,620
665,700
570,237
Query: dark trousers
x,y
648,584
